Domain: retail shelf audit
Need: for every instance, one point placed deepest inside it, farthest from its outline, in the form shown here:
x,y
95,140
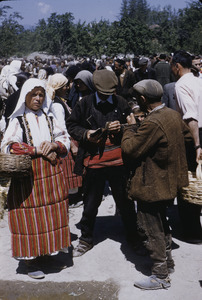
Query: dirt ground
x,y
108,271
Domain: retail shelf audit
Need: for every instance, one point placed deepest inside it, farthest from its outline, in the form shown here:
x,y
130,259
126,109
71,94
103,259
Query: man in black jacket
x,y
96,123
126,80
144,72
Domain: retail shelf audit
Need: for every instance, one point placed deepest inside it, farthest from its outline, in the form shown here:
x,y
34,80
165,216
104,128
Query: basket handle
x,y
199,171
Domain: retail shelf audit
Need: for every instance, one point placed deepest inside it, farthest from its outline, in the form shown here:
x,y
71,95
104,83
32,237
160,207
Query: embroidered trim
x,y
50,125
28,131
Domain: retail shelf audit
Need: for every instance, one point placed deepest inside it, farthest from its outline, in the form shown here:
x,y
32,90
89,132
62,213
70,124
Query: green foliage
x,y
138,9
40,36
100,33
190,27
59,32
165,29
139,30
81,39
10,32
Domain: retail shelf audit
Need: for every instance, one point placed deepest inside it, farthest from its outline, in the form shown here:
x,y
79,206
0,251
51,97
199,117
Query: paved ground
x,y
106,272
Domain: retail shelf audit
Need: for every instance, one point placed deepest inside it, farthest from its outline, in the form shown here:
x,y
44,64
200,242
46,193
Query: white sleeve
x,y
60,134
12,80
187,106
13,134
59,113
2,124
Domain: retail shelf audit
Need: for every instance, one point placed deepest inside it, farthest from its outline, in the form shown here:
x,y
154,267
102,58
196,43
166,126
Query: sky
x,y
84,10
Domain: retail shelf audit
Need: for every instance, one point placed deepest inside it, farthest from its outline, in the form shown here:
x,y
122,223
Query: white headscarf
x,y
55,82
8,74
42,74
27,87
38,126
15,66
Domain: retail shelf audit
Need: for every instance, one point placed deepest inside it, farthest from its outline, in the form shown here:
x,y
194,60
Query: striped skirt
x,y
73,180
38,211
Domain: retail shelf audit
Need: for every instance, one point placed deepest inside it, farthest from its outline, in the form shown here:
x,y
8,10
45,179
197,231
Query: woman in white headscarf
x,y
8,78
42,75
38,204
57,90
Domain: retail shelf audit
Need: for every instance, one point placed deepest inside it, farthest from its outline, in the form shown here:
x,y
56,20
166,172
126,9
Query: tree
x,y
140,30
100,37
3,11
138,9
190,27
58,33
40,36
81,39
10,31
164,29
26,43
124,9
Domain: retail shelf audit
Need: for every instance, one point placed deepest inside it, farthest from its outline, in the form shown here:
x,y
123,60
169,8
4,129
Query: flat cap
x,y
143,61
149,88
105,81
120,61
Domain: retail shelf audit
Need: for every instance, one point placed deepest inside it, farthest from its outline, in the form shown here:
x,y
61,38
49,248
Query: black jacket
x,y
126,91
88,115
149,74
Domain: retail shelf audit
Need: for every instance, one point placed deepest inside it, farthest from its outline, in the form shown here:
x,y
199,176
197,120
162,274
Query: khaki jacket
x,y
156,155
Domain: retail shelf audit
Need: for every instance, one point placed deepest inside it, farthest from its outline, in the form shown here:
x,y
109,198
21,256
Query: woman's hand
x,y
38,151
52,157
48,147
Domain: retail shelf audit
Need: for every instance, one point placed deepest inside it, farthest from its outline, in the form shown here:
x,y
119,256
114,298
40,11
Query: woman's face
x,y
62,91
81,85
35,98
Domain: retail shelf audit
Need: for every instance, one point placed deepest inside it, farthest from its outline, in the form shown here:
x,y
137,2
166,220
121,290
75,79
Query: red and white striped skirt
x,y
38,211
73,180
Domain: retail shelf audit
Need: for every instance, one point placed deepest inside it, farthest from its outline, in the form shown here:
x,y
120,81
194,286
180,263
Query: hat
x,y
149,88
105,81
120,61
143,61
162,56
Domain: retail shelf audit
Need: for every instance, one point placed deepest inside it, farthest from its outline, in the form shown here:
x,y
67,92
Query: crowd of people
x,y
132,127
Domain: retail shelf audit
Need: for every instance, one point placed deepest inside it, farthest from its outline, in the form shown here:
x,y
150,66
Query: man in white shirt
x,y
188,89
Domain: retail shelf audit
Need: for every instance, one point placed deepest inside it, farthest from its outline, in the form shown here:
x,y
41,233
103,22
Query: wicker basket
x,y
12,165
193,192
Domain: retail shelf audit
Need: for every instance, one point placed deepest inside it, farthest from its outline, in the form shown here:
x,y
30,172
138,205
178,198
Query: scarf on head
x,y
27,87
55,82
87,78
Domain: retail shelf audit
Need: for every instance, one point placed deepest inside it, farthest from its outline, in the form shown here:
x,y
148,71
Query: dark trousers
x,y
189,214
151,218
94,184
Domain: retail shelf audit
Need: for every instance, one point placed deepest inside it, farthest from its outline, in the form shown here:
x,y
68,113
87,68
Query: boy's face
x,y
139,116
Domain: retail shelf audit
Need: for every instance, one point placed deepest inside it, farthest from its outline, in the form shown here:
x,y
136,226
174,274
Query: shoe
x,y
48,262
81,248
35,273
33,270
153,283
